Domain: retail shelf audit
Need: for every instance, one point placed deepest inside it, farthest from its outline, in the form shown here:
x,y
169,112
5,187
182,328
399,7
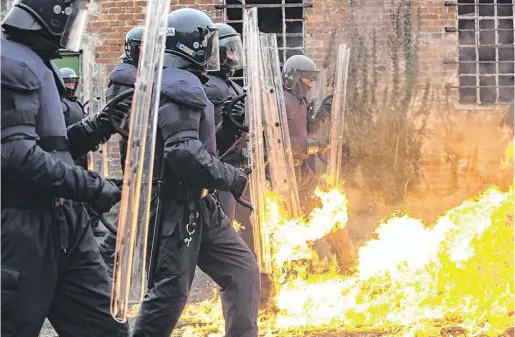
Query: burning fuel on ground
x,y
451,278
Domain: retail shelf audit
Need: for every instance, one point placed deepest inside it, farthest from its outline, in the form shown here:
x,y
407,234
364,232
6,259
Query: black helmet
x,y
62,22
231,49
299,73
191,40
71,81
132,45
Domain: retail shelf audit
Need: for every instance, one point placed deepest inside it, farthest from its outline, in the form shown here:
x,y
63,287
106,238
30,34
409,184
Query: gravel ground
x,y
202,289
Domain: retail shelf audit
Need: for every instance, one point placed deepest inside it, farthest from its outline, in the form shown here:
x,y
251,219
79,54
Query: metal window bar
x,y
284,48
281,5
477,18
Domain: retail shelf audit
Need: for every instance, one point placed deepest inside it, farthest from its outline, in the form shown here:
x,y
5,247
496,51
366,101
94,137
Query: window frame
x,y
283,35
478,75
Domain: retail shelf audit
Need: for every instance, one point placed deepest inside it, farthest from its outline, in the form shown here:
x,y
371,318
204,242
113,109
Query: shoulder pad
x,y
124,73
217,90
22,69
183,87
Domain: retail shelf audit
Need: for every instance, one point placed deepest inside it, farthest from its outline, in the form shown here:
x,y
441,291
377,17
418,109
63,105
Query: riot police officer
x,y
72,109
121,79
193,229
74,113
299,73
219,90
51,266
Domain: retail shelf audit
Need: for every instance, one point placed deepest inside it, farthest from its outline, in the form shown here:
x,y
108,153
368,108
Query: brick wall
x,y
463,148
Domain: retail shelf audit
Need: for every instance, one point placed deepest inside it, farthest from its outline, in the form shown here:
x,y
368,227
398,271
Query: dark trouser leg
x,y
228,204
242,215
227,260
164,302
82,298
107,248
30,255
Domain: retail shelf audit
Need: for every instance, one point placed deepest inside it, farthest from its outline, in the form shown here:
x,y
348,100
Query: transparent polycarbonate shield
x,y
256,144
275,121
129,274
337,136
101,85
316,96
96,73
87,94
319,90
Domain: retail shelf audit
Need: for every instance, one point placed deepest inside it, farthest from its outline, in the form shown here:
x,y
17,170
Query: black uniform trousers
x,y
51,267
219,252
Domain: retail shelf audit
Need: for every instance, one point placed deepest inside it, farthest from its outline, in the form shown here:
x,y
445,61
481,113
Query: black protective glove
x,y
322,115
324,111
93,130
227,132
117,182
121,114
108,196
240,184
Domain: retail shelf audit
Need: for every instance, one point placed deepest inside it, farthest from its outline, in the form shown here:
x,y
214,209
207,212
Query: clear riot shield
x,y
98,161
129,274
316,96
275,121
87,95
336,141
319,91
256,143
101,81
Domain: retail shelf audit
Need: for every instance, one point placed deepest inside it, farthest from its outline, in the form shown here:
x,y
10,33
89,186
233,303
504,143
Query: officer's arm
x,y
87,134
322,116
187,158
26,160
299,147
94,130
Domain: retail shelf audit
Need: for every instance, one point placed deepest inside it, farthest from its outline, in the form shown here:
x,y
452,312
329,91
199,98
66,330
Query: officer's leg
x,y
227,260
30,250
242,216
82,299
228,204
164,302
107,248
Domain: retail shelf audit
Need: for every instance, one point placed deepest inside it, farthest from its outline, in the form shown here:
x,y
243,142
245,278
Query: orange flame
x,y
411,280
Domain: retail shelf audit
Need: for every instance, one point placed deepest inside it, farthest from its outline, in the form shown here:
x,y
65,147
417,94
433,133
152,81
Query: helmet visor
x,y
71,83
77,14
232,52
212,44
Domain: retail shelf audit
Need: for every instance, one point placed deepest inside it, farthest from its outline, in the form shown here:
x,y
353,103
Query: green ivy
x,y
386,134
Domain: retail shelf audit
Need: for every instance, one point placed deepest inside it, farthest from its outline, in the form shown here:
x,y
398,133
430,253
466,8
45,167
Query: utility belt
x,y
181,191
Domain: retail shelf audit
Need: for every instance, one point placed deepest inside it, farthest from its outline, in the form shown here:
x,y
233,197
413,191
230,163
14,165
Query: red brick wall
x,y
463,148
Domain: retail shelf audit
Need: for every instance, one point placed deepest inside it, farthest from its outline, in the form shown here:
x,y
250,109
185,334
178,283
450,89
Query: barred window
x,y
285,18
486,48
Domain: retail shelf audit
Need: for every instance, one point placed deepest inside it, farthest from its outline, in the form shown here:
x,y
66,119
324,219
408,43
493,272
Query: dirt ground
x,y
201,290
